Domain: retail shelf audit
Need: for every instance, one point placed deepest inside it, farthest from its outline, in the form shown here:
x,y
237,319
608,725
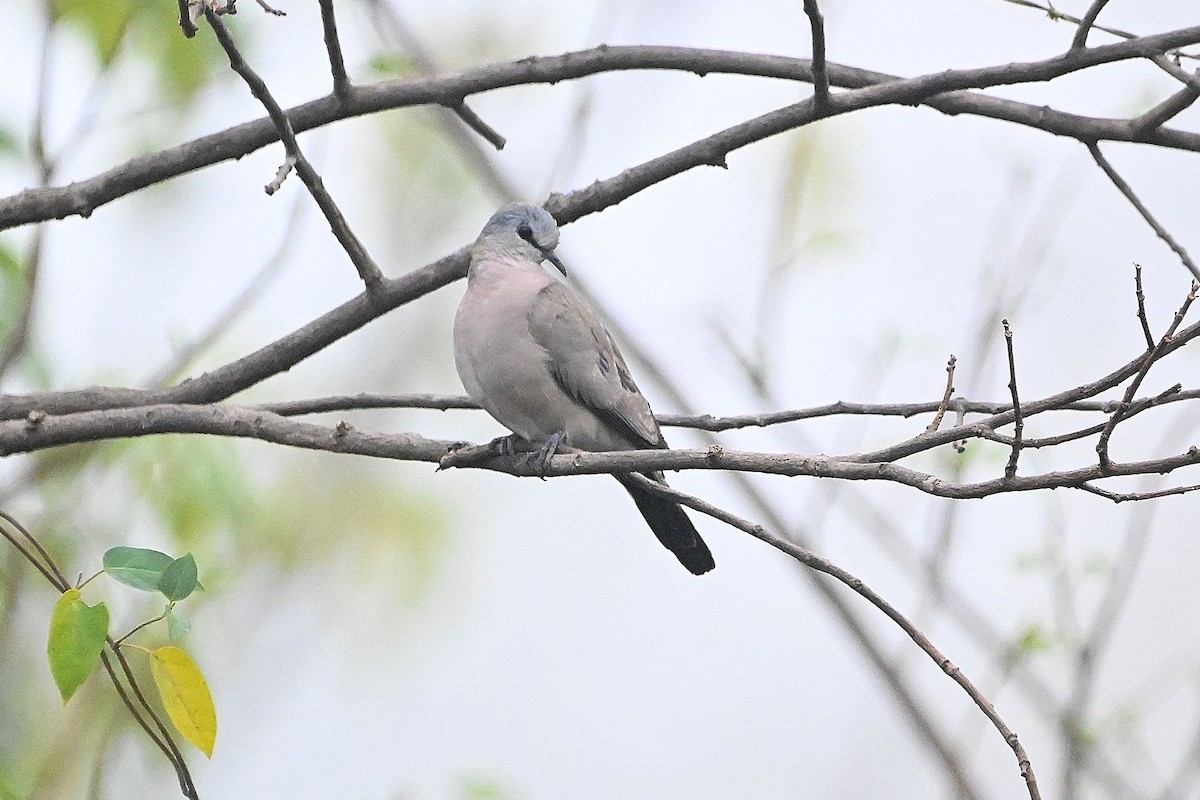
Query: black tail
x,y
671,525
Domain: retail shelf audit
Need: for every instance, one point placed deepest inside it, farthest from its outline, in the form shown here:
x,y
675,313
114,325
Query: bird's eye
x,y
526,233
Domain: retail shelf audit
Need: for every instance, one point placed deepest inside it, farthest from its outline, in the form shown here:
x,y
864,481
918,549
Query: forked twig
x,y
1147,361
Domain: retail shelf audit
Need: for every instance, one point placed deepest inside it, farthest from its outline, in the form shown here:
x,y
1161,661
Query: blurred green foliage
x,y
146,31
13,288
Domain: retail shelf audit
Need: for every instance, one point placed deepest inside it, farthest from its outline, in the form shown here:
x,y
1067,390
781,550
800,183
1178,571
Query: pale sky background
x,y
556,650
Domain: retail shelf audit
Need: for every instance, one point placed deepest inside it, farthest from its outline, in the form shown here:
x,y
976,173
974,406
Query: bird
x,y
536,356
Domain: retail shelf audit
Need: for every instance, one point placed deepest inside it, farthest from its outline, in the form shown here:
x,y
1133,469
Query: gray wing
x,y
584,361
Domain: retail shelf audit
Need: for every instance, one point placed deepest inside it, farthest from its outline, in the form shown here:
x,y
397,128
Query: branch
x,y
945,403
1010,469
368,270
337,66
941,91
1132,197
1169,108
1148,361
813,561
819,71
1085,24
244,422
1141,306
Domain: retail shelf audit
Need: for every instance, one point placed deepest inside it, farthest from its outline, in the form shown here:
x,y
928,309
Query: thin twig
x,y
1085,24
1147,361
1054,14
368,270
186,23
59,580
320,405
139,626
819,69
55,581
1010,469
1122,497
185,778
1141,306
280,175
942,406
1167,109
1132,197
337,65
813,561
275,11
186,786
476,123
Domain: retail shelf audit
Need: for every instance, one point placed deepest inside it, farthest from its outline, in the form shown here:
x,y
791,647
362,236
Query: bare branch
x,y
240,421
273,11
942,406
321,405
1141,306
368,270
476,123
337,66
1085,24
819,70
1125,189
813,561
1147,361
941,91
1121,497
1054,14
281,174
1169,108
1010,469
187,22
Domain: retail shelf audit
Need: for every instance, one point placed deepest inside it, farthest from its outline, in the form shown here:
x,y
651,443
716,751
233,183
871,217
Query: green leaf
x,y
185,696
77,633
10,144
103,24
1034,639
179,578
391,65
13,288
137,566
177,626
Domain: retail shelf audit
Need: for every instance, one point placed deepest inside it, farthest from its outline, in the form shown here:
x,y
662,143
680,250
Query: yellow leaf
x,y
185,696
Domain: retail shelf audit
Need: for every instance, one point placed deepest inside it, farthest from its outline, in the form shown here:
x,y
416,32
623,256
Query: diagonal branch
x,y
942,91
368,270
1085,24
813,561
1127,190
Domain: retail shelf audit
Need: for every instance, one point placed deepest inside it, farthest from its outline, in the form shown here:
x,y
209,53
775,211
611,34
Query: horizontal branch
x,y
83,197
18,436
20,406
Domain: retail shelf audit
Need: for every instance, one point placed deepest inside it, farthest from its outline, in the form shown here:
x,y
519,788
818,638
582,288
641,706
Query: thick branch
x,y
939,91
18,436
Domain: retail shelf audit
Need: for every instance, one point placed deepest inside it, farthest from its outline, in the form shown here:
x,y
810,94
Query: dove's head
x,y
525,228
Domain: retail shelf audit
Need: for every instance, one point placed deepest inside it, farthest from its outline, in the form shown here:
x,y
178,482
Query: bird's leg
x,y
539,460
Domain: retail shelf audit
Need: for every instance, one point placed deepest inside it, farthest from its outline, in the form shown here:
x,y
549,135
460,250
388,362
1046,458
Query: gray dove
x,y
536,357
